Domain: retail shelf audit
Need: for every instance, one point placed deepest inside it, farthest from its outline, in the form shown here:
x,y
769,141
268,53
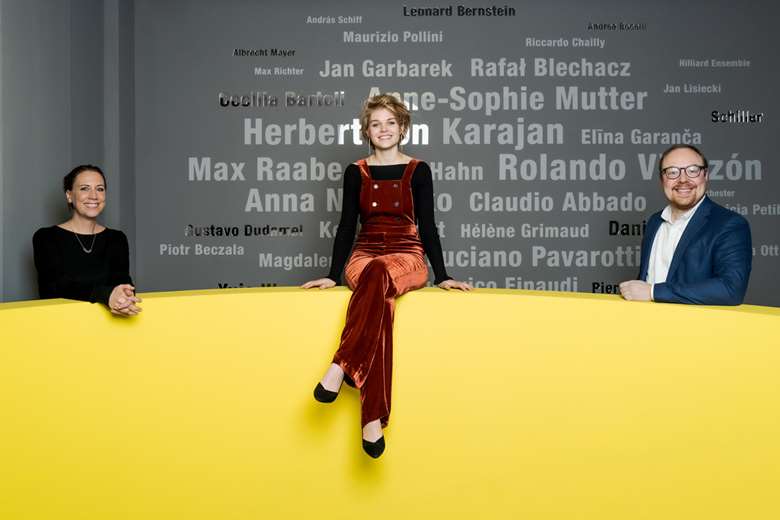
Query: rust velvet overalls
x,y
387,261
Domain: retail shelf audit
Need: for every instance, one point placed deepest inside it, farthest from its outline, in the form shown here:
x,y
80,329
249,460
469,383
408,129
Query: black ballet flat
x,y
324,396
348,381
376,448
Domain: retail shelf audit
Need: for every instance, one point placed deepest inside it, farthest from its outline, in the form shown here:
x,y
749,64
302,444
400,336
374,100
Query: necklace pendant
x,y
91,246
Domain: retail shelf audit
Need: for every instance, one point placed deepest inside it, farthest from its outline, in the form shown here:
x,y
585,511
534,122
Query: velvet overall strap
x,y
409,171
406,181
365,173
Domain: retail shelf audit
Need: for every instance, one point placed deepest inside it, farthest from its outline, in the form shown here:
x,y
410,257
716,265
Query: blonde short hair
x,y
388,102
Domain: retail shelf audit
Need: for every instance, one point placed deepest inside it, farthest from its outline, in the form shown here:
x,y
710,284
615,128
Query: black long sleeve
x,y
422,193
66,271
345,234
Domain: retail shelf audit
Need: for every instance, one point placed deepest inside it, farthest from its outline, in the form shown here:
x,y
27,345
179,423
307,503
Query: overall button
x,y
376,186
396,204
395,185
374,204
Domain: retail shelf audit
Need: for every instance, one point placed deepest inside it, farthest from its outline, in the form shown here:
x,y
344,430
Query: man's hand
x,y
636,290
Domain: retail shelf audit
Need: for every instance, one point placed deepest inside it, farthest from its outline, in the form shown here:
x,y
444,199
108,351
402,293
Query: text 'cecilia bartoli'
x,y
289,99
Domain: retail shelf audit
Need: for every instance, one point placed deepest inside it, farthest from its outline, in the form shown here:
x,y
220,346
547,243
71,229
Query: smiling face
x,y
383,129
88,195
683,193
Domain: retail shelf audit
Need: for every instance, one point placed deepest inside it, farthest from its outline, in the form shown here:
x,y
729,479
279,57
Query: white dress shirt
x,y
665,243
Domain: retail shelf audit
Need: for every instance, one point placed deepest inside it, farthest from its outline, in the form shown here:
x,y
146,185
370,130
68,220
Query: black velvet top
x,y
422,192
66,271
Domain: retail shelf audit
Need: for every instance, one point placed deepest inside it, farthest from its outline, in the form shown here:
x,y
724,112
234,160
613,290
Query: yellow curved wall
x,y
507,404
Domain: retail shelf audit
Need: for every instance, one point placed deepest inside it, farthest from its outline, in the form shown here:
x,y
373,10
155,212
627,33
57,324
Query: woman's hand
x,y
122,301
454,284
320,283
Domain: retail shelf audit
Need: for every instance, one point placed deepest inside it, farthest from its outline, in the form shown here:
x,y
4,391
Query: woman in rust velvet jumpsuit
x,y
393,193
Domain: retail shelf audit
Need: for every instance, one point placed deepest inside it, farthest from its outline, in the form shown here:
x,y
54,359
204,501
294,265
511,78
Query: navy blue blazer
x,y
711,264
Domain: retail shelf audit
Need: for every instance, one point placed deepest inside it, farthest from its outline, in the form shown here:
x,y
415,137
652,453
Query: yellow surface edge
x,y
506,404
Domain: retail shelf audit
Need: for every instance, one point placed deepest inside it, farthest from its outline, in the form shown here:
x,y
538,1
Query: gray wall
x,y
2,170
66,99
185,59
132,85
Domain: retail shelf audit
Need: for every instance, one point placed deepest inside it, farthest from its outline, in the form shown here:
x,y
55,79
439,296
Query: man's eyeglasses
x,y
692,171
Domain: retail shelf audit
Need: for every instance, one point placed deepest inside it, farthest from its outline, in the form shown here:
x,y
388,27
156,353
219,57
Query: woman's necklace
x,y
92,245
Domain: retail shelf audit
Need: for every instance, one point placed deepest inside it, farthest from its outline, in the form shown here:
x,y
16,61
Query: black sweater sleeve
x,y
422,191
47,262
118,253
350,210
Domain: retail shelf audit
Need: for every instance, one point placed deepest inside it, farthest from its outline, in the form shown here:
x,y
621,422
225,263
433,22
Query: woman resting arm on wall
x,y
393,194
80,259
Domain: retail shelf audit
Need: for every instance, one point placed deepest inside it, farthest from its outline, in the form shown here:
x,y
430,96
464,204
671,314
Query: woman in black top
x,y
393,194
81,259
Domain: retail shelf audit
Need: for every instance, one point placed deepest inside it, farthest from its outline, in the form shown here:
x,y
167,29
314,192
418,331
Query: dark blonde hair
x,y
388,102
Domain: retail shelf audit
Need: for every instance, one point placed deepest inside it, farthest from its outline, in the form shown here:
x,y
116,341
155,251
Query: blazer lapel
x,y
697,222
652,229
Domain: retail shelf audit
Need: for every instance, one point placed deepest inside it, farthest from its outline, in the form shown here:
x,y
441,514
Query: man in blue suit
x,y
694,251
